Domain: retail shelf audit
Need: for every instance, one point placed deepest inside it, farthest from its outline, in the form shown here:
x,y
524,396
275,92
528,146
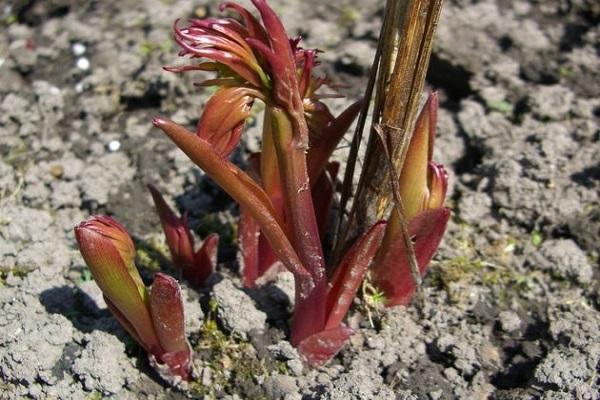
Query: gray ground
x,y
512,301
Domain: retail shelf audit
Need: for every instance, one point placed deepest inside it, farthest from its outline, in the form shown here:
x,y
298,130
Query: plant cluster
x,y
285,196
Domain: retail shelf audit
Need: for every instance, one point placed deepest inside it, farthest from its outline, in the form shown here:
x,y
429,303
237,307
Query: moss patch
x,y
231,365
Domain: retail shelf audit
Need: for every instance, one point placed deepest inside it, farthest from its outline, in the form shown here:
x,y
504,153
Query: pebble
x,y
114,145
78,49
83,64
57,170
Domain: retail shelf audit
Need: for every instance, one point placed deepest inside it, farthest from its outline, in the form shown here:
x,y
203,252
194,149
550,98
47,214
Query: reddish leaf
x,y
318,349
220,40
178,235
309,308
318,117
323,145
205,262
438,185
248,237
391,272
350,273
254,28
308,63
239,186
166,307
252,243
256,255
179,364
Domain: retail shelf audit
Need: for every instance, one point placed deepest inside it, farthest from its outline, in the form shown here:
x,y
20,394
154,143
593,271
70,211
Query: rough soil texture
x,y
511,307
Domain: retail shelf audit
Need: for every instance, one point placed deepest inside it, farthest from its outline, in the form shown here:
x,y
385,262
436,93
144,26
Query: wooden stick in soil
x,y
405,44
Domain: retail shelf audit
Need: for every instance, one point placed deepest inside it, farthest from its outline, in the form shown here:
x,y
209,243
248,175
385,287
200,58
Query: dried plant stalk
x,y
405,47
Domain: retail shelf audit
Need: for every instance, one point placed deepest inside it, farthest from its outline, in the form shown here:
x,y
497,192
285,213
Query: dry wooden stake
x,y
401,63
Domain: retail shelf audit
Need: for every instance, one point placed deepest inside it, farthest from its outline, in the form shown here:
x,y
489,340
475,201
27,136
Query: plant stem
x,y
291,154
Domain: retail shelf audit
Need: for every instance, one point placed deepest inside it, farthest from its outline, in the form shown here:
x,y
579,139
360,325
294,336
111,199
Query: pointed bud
x,y
414,182
108,251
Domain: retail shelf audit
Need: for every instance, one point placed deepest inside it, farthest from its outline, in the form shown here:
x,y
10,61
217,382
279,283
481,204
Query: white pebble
x,y
79,87
78,49
83,64
114,145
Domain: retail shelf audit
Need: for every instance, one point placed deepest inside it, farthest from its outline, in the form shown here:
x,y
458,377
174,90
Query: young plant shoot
x,y
422,186
285,196
154,318
194,266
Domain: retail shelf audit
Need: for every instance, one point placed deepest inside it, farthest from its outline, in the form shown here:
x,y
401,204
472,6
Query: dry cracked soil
x,y
511,302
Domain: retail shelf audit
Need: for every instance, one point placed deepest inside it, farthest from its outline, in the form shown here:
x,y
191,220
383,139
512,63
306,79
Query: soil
x,y
511,303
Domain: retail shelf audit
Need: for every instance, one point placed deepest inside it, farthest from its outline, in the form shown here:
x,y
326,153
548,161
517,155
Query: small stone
x,y
83,64
57,171
114,145
78,49
236,310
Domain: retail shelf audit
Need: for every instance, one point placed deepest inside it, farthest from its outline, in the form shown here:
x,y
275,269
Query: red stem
x,y
309,315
